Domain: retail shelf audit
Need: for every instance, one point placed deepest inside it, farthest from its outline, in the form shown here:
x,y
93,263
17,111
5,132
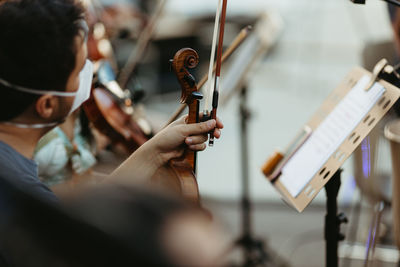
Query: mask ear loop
x,y
33,126
88,67
85,28
34,91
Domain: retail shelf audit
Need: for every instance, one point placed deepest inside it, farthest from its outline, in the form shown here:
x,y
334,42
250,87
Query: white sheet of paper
x,y
329,135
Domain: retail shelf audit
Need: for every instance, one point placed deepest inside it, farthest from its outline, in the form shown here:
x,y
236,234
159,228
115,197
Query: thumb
x,y
198,128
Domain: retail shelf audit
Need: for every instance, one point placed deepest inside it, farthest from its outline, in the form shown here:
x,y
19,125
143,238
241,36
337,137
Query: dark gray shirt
x,y
18,173
22,173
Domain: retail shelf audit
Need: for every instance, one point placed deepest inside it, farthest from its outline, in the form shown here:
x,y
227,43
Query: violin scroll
x,y
185,59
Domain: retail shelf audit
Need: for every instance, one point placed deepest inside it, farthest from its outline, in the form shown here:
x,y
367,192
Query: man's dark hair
x,y
37,48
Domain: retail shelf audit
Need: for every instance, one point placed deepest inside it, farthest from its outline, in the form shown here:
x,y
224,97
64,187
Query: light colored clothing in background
x,y
59,159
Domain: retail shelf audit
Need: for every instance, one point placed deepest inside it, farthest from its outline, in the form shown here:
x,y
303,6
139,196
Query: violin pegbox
x,y
185,59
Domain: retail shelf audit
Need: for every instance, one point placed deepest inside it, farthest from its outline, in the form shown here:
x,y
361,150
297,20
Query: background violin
x,y
110,114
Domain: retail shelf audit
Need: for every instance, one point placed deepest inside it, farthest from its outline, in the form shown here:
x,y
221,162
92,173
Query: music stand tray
x,y
335,130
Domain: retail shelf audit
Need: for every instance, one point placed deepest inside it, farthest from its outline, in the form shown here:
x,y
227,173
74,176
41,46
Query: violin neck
x,y
194,107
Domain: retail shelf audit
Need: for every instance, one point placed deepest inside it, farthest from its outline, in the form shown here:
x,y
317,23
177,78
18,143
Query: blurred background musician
x,y
66,152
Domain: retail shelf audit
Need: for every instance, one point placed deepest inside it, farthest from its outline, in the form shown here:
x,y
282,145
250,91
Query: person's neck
x,y
24,141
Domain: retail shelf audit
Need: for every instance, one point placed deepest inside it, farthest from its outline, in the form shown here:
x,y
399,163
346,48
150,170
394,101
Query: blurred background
x,y
297,53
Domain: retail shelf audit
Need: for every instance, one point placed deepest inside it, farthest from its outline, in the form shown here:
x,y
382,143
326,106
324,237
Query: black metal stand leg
x,y
245,202
254,251
333,220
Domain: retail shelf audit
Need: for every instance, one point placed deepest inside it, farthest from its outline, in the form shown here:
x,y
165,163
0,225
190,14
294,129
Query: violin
x,y
180,174
111,117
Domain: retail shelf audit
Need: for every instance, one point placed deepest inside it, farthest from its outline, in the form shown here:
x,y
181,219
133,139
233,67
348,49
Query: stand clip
x,y
382,67
273,167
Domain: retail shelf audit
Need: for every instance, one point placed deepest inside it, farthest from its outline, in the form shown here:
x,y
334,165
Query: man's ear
x,y
46,106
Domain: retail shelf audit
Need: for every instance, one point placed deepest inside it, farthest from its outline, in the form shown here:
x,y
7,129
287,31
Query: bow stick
x,y
211,67
218,68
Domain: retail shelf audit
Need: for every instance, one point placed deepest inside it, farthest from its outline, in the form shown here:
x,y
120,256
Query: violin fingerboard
x,y
193,118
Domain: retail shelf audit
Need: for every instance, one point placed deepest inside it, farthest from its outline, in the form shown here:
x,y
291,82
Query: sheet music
x,y
329,135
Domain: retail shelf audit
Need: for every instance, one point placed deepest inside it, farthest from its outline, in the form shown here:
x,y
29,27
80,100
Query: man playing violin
x,y
44,77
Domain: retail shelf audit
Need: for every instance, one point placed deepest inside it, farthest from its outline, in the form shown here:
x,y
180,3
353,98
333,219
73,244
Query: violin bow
x,y
215,95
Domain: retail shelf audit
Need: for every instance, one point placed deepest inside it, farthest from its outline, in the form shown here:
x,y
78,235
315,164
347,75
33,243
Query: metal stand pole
x,y
373,235
254,251
333,220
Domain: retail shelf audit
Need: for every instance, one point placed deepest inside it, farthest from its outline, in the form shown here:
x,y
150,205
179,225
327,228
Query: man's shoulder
x,y
11,159
22,173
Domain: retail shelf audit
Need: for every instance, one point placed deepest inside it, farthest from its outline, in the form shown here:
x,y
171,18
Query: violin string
x,y
210,82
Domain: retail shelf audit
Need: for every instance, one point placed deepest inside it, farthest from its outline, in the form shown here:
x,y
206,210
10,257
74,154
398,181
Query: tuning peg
x,y
190,80
197,95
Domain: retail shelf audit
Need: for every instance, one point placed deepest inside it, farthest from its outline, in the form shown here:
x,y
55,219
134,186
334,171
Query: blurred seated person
x,y
110,226
66,152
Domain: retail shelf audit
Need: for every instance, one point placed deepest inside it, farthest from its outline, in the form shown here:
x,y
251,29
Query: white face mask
x,y
81,95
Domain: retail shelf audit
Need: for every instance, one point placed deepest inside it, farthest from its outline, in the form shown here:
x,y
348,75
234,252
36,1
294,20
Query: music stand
x,y
313,159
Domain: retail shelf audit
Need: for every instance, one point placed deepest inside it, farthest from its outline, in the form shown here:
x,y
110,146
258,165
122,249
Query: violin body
x,y
107,116
179,175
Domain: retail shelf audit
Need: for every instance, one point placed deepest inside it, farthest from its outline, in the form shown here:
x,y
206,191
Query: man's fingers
x,y
197,139
199,147
217,133
183,120
198,128
220,125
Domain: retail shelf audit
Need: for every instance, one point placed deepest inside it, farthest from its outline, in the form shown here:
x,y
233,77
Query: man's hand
x,y
168,144
171,141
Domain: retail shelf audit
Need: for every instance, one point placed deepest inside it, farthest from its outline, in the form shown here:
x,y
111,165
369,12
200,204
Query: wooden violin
x,y
110,114
180,174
